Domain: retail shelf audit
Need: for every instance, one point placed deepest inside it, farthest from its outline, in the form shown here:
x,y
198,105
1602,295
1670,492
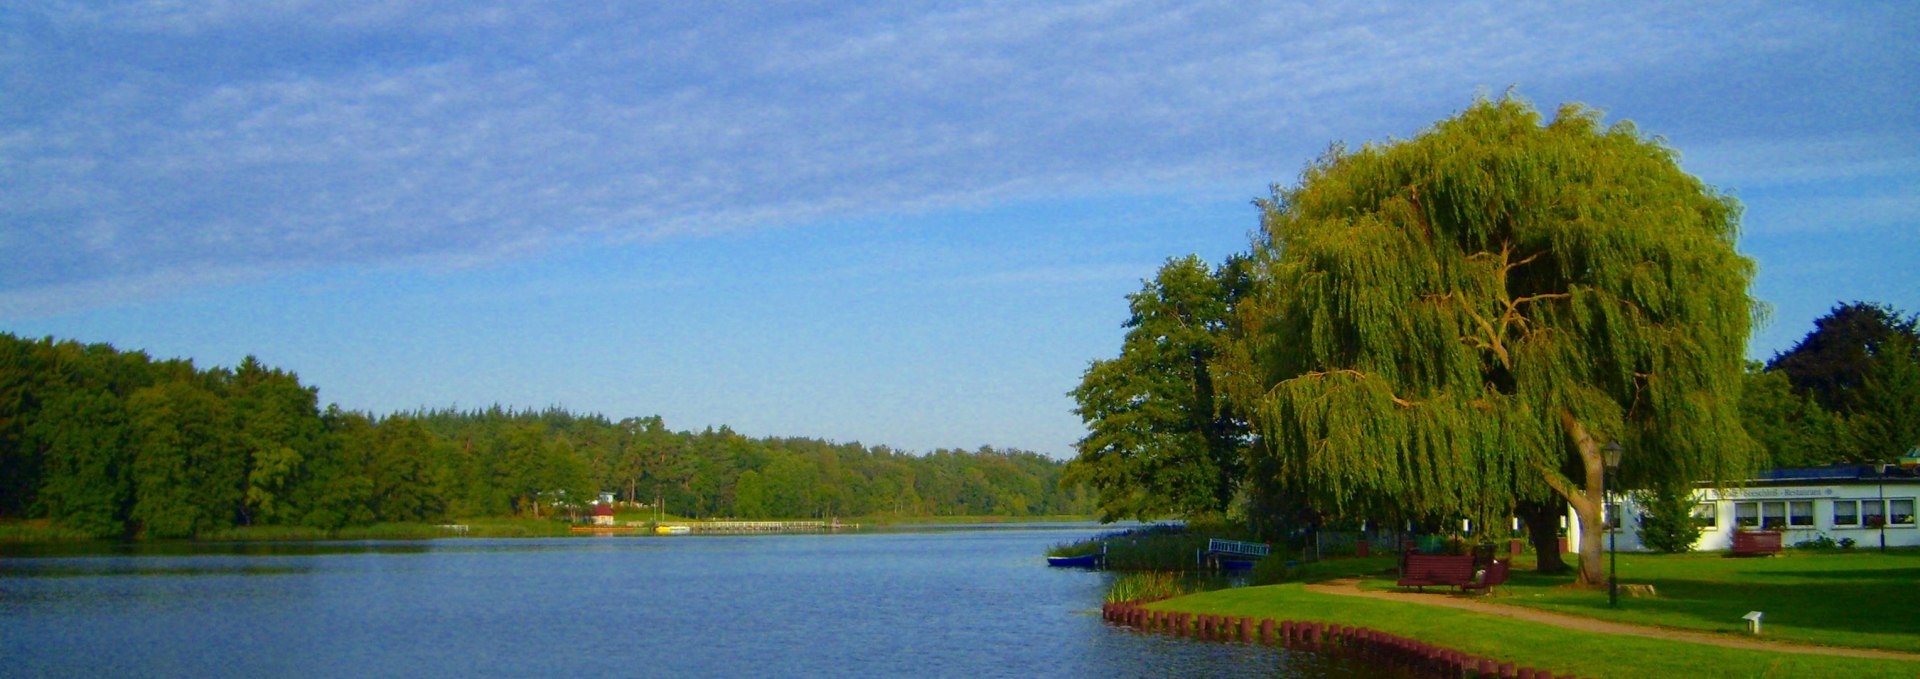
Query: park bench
x,y
1442,570
1495,574
1756,543
1422,570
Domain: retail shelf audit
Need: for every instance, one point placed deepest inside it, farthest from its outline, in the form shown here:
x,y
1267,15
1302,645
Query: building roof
x,y
602,510
1838,473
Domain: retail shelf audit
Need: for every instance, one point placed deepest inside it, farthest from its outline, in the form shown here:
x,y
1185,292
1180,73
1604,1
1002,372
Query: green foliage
x,y
1832,362
1849,392
1668,525
1160,441
1159,547
107,444
1452,325
86,484
188,472
1146,586
1793,429
1886,415
1275,570
1821,541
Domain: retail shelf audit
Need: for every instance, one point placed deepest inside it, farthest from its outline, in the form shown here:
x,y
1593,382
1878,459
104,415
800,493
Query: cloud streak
x,y
171,145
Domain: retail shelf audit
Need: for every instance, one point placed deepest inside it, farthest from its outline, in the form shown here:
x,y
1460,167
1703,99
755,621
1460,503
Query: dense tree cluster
x,y
1455,326
115,443
1160,439
1848,392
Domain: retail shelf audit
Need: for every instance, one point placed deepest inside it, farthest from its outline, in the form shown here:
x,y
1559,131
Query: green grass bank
x,y
1847,598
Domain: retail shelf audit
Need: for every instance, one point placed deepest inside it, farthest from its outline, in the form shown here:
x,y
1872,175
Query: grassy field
x,y
1857,598
1530,644
1860,599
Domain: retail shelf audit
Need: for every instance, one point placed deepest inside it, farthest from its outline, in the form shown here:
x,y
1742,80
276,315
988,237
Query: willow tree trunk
x,y
1543,529
1588,500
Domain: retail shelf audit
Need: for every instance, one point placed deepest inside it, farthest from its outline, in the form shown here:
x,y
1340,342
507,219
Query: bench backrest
x,y
1764,541
1441,567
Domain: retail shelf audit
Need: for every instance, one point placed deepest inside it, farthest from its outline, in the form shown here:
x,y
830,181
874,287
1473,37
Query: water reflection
x,y
951,603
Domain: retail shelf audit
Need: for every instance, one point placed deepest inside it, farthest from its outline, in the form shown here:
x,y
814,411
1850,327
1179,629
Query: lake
x,y
946,603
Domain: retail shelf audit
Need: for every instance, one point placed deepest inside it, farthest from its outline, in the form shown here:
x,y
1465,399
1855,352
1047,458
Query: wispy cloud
x,y
153,144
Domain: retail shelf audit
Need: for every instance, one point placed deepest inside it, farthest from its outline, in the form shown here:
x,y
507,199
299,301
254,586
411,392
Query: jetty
x,y
740,527
1231,554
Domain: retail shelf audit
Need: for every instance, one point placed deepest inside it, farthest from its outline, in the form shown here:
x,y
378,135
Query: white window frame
x,y
1892,518
1779,505
1872,507
1811,518
1834,514
1711,515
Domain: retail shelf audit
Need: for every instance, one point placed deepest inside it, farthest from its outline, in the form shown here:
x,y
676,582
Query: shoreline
x,y
1518,642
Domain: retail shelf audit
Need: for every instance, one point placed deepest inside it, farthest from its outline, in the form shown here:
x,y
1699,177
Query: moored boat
x,y
1082,561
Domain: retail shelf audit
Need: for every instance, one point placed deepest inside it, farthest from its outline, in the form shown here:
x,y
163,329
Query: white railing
x,y
1237,548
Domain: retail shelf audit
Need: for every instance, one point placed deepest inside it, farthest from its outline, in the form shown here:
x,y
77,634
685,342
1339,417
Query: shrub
x,y
1667,526
1820,541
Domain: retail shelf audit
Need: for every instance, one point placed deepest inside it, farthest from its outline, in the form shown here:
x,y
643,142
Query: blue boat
x,y
1083,561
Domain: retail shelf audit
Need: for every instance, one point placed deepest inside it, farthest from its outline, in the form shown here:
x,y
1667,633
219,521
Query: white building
x,y
1857,502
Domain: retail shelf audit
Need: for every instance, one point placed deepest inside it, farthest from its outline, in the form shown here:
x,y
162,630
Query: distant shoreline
x,y
42,532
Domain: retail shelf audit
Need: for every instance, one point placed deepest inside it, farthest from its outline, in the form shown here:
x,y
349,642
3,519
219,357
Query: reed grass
x,y
1146,586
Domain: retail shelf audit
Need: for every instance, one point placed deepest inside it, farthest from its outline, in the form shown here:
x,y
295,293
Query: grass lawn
x,y
1857,598
1530,644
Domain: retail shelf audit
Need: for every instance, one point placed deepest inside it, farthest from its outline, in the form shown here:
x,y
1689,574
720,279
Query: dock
x,y
743,527
1231,554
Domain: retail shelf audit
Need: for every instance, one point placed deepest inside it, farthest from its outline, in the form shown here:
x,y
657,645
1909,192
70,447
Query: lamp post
x,y
1611,455
1882,468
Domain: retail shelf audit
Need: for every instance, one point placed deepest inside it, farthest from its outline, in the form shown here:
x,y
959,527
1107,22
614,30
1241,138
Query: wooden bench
x,y
1495,574
1421,570
1756,543
1441,570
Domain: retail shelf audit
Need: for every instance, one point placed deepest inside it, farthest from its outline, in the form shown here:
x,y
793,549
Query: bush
x,y
1667,526
1820,541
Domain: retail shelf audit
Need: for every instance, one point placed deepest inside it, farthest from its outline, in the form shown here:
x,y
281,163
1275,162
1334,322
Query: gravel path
x,y
1351,587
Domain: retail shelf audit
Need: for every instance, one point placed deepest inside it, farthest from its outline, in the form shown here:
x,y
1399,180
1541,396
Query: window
x,y
1773,515
1846,513
1900,512
1610,515
1873,514
1746,514
1706,516
1800,514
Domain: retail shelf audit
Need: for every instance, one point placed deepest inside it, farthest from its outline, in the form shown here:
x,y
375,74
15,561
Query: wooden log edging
x,y
1318,637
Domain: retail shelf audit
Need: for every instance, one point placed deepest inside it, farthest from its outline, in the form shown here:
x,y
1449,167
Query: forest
x,y
114,443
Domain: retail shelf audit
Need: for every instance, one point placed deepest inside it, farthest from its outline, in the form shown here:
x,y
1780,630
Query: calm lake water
x,y
950,603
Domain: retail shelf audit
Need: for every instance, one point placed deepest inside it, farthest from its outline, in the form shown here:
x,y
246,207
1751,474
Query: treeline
x,y
1848,392
115,443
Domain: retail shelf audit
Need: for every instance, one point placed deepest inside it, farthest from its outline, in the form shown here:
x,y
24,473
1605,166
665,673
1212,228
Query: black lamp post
x,y
1611,455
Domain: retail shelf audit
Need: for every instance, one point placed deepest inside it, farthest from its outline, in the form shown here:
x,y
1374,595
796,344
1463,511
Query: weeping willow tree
x,y
1456,324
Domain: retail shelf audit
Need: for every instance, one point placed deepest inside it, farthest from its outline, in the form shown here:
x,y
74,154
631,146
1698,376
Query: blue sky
x,y
909,225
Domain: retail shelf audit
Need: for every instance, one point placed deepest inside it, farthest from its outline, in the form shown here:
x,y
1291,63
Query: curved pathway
x,y
1351,587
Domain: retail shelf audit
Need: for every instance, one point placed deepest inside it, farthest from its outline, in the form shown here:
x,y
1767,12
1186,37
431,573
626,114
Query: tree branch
x,y
1348,372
